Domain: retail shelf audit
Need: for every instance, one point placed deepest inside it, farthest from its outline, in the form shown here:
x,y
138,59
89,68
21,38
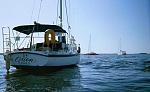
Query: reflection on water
x,y
65,79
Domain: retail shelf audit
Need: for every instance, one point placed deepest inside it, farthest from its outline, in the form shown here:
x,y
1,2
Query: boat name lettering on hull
x,y
25,60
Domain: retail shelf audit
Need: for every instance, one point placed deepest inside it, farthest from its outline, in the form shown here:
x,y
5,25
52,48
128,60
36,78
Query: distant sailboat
x,y
120,52
89,49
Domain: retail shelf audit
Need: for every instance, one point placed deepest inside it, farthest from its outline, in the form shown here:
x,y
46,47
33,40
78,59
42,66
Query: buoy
x,y
47,32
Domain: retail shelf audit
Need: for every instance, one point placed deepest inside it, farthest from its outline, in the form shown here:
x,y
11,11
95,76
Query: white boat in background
x,y
56,50
120,52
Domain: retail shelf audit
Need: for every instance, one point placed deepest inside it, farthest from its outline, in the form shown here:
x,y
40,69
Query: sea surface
x,y
99,73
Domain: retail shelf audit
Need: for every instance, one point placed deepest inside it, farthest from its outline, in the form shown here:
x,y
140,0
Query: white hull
x,y
38,59
122,53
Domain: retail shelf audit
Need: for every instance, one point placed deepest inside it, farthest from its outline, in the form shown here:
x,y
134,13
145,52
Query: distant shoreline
x,y
143,53
116,53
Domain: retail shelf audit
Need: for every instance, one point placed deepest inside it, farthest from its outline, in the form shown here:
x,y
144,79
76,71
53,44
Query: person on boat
x,y
79,49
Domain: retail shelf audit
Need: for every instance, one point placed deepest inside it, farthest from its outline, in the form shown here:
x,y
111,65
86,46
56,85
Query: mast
x,y
119,46
89,47
60,13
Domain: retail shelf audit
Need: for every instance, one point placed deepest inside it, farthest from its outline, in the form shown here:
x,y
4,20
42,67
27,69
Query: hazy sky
x,y
105,20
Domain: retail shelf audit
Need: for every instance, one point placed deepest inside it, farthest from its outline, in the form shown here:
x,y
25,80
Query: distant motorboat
x,y
89,49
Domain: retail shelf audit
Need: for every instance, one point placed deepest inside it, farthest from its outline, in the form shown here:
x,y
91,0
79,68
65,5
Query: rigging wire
x,y
32,11
69,10
57,12
67,18
23,41
39,11
30,22
72,17
31,17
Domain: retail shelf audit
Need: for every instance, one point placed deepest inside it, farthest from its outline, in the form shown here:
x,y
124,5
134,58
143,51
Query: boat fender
x,y
47,32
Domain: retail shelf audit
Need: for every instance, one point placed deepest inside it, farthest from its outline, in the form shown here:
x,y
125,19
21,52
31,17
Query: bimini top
x,y
27,29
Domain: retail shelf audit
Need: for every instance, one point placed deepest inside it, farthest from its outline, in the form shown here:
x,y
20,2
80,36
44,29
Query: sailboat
x,y
54,51
89,49
120,52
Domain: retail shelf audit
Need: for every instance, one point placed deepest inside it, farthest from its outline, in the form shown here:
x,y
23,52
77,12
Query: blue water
x,y
103,73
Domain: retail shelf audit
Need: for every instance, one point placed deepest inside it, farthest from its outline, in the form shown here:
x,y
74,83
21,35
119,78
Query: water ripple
x,y
104,73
